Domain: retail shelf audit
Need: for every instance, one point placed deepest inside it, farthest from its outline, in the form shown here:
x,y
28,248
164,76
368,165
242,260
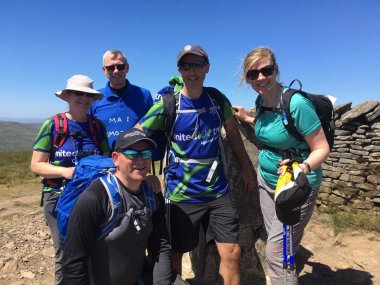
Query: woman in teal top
x,y
55,162
260,70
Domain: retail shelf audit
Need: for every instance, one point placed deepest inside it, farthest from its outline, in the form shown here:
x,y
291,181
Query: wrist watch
x,y
307,165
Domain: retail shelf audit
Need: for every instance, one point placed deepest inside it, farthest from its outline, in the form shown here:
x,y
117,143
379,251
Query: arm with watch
x,y
319,150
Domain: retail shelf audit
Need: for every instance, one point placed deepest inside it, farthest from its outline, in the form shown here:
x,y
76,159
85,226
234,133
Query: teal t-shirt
x,y
195,137
270,130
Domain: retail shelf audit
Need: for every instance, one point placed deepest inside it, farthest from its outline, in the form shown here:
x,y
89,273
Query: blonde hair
x,y
255,56
114,53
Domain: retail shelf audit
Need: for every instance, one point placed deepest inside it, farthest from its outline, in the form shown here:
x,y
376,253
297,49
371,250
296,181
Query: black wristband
x,y
307,165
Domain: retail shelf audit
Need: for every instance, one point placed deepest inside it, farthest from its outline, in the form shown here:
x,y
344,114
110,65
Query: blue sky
x,y
333,47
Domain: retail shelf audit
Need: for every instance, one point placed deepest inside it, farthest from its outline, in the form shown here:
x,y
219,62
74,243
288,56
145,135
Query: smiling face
x,y
115,76
132,171
78,104
264,84
194,76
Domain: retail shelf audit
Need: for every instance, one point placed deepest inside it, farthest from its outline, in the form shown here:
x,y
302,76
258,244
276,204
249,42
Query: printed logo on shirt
x,y
114,120
158,97
208,136
114,133
64,153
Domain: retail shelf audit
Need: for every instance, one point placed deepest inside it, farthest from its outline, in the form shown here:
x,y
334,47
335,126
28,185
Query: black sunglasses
x,y
80,94
196,65
111,68
268,70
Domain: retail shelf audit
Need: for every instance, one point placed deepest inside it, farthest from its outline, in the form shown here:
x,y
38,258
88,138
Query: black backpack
x,y
323,107
170,103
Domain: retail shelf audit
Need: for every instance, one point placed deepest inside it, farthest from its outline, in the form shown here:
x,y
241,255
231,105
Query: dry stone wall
x,y
352,171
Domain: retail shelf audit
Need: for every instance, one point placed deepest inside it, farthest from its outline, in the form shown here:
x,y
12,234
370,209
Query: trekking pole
x,y
167,212
284,253
291,255
167,201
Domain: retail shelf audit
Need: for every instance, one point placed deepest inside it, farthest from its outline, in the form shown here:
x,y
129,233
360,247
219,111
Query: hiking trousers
x,y
49,202
274,228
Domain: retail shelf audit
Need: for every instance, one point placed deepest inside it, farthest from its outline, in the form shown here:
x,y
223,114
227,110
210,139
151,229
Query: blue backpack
x,y
89,169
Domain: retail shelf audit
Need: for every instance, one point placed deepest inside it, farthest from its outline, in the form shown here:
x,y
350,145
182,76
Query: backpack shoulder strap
x,y
95,129
61,129
149,197
169,100
216,95
258,103
113,191
288,121
219,98
260,109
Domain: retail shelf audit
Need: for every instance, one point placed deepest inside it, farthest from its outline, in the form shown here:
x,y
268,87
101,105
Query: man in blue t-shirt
x,y
123,103
195,182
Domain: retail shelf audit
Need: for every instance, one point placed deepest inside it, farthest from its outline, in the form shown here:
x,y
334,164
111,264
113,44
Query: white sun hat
x,y
81,83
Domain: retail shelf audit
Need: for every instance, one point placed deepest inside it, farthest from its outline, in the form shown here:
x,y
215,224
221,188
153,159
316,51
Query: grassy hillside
x,y
16,136
15,168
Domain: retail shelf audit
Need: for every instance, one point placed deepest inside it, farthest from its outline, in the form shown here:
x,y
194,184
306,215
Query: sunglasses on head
x,y
196,65
133,154
268,70
111,68
80,94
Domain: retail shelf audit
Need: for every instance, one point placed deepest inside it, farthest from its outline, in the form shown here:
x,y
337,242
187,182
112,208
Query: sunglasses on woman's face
x,y
80,94
133,154
111,68
268,70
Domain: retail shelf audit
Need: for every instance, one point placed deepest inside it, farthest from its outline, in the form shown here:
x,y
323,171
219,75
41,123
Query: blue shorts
x,y
218,218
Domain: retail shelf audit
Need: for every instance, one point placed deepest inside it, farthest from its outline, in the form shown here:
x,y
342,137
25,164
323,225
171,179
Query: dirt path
x,y
26,251
352,257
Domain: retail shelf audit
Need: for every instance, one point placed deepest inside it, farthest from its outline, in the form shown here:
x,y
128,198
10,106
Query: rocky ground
x,y
26,250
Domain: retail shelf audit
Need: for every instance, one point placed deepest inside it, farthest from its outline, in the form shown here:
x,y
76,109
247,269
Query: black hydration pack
x,y
323,107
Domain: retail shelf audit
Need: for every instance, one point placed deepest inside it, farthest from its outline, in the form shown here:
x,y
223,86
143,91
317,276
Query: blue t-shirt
x,y
196,137
270,130
74,147
120,113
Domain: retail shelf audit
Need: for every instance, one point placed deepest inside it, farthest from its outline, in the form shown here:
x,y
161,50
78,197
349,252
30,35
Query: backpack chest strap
x,y
197,161
199,111
78,134
215,161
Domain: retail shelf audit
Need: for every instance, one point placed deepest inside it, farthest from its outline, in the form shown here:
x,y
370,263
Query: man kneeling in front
x,y
119,257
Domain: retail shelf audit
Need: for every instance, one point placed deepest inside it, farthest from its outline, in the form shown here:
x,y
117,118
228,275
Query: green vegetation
x,y
15,168
354,220
16,136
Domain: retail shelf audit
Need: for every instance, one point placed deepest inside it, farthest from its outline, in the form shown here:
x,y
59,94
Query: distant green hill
x,y
17,136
